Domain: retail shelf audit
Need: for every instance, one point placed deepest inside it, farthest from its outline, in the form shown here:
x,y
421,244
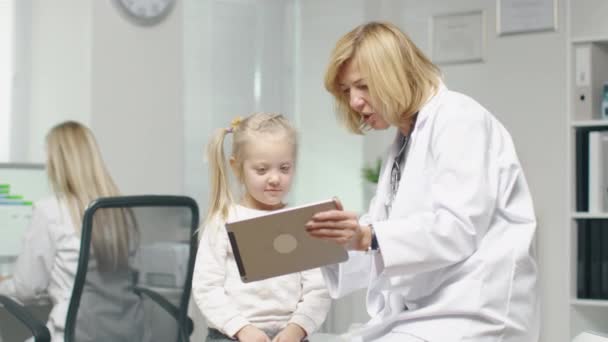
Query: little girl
x,y
286,308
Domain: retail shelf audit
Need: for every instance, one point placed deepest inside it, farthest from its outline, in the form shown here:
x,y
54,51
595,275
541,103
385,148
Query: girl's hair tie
x,y
234,124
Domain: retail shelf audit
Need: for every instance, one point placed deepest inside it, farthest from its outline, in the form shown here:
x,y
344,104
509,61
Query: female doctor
x,y
446,248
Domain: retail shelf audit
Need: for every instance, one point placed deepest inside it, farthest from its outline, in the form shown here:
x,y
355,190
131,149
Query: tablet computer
x,y
277,243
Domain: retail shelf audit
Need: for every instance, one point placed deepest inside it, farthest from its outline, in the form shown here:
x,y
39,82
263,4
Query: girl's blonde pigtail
x,y
221,197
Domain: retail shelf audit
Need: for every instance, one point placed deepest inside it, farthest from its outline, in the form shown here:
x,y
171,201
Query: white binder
x,y
590,74
598,171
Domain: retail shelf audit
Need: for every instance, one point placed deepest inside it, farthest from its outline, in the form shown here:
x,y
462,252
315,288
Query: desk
x,y
7,264
12,330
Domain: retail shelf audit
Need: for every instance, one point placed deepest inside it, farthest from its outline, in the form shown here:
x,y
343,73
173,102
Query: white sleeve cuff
x,y
234,325
305,323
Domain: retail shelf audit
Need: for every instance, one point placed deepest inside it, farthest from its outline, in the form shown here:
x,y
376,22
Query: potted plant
x,y
370,174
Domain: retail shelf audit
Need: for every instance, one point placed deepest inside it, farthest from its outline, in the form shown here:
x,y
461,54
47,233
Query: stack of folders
x,y
592,259
592,171
592,197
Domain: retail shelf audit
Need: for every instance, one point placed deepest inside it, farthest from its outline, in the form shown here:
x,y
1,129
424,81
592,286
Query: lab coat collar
x,y
378,210
430,105
427,109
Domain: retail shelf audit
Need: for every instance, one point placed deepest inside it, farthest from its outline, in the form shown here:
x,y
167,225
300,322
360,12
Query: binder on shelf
x,y
598,172
604,260
595,258
590,73
582,259
582,167
605,101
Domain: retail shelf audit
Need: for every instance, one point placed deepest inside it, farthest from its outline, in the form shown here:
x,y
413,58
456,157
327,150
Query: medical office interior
x,y
153,95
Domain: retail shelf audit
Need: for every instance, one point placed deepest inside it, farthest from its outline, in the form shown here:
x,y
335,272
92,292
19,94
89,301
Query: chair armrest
x,y
38,329
165,304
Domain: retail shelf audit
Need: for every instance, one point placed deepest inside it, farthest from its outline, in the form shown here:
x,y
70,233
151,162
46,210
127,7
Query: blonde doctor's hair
x,y
399,76
78,175
245,132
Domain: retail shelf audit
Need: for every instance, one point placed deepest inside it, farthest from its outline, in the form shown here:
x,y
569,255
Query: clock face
x,y
145,12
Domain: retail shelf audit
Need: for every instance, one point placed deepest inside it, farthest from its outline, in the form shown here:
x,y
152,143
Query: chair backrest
x,y
134,270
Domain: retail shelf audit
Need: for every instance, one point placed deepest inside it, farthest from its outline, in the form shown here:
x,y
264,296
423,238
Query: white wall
x,y
53,71
330,157
136,99
81,60
588,18
236,61
198,118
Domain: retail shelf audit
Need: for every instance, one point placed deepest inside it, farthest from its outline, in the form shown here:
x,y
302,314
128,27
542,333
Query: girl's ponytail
x,y
221,197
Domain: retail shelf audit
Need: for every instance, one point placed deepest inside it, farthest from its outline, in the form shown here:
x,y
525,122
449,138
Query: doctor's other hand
x,y
291,333
341,227
249,333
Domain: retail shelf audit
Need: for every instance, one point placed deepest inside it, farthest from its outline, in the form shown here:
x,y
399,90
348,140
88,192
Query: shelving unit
x,y
589,123
589,303
591,312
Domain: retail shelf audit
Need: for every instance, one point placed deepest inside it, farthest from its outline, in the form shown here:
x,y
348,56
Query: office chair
x,y
133,280
38,330
142,293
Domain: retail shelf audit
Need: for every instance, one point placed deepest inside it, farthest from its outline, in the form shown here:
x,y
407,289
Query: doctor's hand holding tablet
x,y
345,228
446,248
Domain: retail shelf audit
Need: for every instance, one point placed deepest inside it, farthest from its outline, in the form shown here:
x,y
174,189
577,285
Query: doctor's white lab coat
x,y
457,249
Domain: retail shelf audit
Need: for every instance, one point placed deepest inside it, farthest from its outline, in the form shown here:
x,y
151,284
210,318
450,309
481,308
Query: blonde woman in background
x,y
77,175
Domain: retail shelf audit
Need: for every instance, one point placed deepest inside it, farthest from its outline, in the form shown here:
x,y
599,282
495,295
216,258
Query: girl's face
x,y
354,87
267,172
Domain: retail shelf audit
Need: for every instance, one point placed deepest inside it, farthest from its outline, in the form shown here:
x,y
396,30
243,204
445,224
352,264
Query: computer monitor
x,y
20,186
28,181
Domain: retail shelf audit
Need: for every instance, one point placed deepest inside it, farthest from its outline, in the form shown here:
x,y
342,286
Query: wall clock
x,y
145,12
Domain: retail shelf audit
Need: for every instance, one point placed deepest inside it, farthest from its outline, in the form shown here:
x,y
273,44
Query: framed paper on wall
x,y
457,37
524,16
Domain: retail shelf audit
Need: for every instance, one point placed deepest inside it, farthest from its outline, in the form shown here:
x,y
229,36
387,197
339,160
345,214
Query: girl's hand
x,y
291,333
341,227
249,333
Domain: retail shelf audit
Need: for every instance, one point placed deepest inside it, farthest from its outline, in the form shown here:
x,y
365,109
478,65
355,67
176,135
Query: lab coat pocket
x,y
460,299
442,315
460,296
413,193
